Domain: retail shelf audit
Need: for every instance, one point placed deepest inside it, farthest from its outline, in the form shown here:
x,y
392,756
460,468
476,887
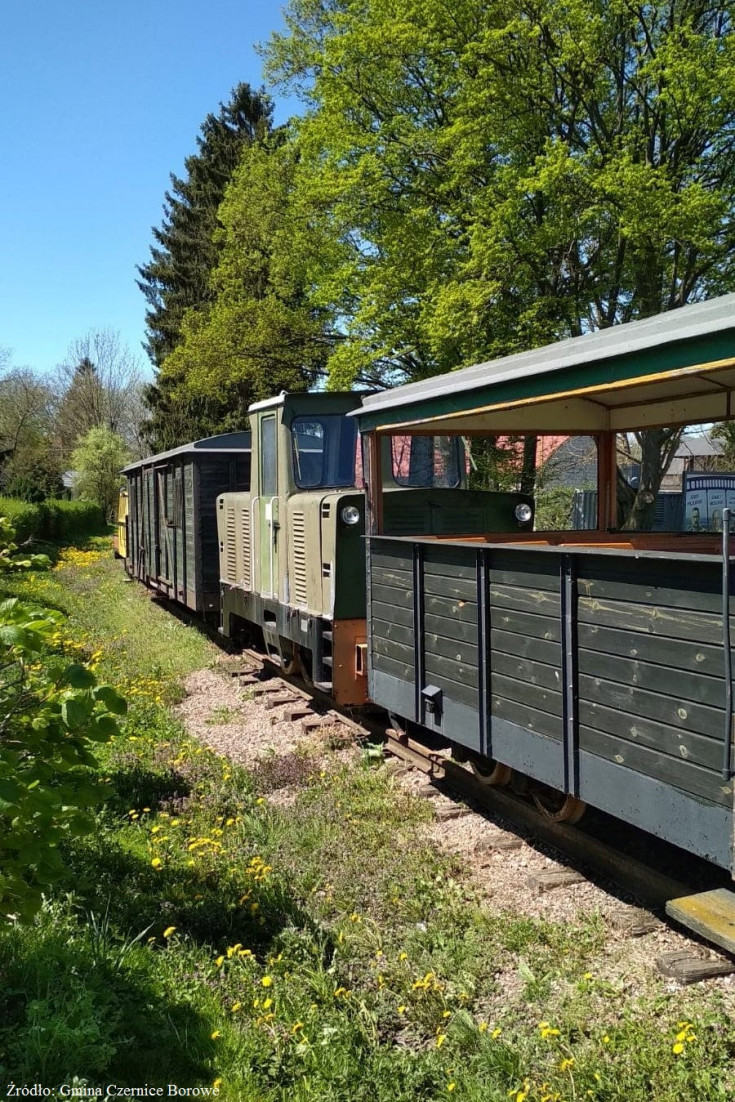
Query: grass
x,y
322,951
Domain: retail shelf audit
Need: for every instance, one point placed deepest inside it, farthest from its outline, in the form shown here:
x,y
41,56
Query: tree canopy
x,y
261,333
500,177
97,460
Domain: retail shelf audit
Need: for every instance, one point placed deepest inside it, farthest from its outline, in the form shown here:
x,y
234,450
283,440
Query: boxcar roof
x,y
653,363
209,445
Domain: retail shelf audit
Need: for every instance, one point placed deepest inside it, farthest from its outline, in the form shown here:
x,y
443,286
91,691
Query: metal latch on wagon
x,y
432,698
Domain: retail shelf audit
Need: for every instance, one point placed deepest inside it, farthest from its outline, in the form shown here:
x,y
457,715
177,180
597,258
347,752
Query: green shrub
x,y
63,521
67,521
25,518
53,712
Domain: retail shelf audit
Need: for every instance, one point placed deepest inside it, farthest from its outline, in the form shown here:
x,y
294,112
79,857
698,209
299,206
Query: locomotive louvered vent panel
x,y
230,546
245,532
298,532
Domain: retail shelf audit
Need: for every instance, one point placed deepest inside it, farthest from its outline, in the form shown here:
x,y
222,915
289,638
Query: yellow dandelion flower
x,y
447,1014
297,1026
168,931
678,1048
156,862
401,1009
403,956
496,1033
267,981
217,1033
267,1004
565,1065
235,1007
440,1040
217,1084
451,1086
219,962
482,1027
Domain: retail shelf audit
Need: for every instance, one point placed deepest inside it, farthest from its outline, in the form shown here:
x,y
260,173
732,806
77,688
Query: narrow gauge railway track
x,y
586,847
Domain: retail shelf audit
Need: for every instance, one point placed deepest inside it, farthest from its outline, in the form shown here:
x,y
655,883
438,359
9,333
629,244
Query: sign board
x,y
705,497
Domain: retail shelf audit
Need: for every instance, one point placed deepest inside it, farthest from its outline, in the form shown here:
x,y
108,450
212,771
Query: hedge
x,y
63,521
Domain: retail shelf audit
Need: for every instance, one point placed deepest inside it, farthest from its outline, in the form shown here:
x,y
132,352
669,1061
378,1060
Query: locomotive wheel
x,y
490,772
560,807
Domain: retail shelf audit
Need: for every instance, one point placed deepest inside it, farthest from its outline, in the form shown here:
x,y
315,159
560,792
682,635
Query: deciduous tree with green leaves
x,y
499,177
261,333
52,711
97,460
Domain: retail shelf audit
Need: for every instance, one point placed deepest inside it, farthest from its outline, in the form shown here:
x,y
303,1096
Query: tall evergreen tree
x,y
176,278
262,333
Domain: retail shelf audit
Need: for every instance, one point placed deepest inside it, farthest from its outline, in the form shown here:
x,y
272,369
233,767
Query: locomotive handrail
x,y
727,772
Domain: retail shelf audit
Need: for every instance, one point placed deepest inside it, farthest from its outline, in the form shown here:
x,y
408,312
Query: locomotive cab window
x,y
268,468
323,451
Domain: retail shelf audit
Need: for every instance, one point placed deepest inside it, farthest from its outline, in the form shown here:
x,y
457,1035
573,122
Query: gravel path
x,y
233,722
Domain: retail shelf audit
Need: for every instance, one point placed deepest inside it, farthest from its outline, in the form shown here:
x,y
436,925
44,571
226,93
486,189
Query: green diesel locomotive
x,y
292,549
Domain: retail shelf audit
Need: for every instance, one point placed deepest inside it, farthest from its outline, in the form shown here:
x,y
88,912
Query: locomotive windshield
x,y
324,451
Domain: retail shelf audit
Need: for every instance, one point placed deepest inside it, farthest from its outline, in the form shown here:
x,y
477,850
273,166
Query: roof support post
x,y
374,485
607,481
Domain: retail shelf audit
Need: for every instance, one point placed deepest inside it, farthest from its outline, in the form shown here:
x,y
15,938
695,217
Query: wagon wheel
x,y
489,771
398,724
290,663
303,664
560,807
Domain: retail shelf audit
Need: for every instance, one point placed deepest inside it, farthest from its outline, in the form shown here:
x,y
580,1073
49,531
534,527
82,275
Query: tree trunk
x,y
528,470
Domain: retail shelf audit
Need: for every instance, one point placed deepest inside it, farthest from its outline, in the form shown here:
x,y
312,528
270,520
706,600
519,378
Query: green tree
x,y
176,278
30,462
261,333
99,383
51,713
500,177
97,461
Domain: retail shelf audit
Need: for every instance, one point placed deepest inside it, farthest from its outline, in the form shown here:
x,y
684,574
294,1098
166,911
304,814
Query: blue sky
x,y
99,102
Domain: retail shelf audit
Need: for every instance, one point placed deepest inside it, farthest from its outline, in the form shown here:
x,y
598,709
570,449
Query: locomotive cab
x,y
292,557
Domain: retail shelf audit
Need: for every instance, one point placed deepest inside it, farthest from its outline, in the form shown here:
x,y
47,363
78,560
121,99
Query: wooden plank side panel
x,y
686,775
681,744
651,671
538,602
527,717
695,586
392,616
462,673
671,623
674,654
681,686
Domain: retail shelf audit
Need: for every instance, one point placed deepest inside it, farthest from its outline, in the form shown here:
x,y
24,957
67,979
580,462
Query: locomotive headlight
x,y
350,515
524,513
